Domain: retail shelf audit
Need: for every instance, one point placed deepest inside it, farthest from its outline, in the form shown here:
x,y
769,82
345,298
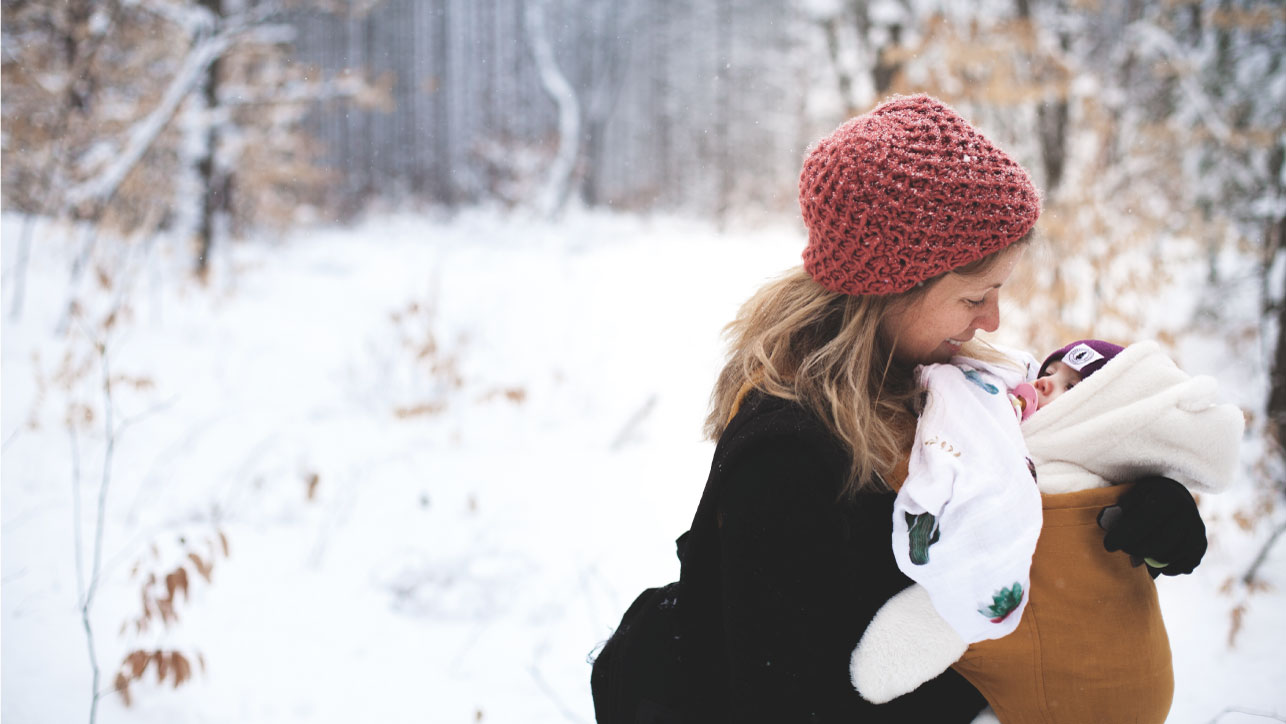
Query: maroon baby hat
x,y
1086,356
906,192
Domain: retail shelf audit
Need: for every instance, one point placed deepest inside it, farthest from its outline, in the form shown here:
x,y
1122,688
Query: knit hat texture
x,y
906,192
1086,356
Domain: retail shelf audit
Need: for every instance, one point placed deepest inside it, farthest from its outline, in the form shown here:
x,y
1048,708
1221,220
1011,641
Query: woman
x,y
915,223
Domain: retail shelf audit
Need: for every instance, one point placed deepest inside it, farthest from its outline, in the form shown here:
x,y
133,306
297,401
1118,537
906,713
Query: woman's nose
x,y
988,320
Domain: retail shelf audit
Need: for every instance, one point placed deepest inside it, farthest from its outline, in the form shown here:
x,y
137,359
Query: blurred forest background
x,y
1140,119
1156,130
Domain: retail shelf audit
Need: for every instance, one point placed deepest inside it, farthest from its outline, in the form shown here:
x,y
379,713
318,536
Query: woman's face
x,y
933,326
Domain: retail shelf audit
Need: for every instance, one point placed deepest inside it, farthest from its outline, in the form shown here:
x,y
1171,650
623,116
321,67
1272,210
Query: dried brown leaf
x,y
201,566
1244,521
166,607
177,581
137,662
1237,614
162,660
424,409
182,669
313,480
1257,585
122,687
223,541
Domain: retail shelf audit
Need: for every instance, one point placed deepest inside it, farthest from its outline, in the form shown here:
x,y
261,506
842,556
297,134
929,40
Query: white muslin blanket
x,y
966,519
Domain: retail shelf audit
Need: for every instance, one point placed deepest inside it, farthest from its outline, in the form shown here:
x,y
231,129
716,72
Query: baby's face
x,y
1059,378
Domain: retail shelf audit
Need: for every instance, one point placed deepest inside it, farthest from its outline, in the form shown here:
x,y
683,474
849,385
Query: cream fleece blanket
x,y
1138,415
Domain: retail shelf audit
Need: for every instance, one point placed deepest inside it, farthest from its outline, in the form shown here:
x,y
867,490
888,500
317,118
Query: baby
x,y
968,517
1060,373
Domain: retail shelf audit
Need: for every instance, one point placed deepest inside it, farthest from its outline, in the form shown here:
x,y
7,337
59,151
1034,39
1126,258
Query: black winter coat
x,y
780,579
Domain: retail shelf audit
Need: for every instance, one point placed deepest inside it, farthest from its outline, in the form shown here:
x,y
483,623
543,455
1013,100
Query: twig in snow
x,y
87,600
553,696
1248,712
20,268
1249,577
630,425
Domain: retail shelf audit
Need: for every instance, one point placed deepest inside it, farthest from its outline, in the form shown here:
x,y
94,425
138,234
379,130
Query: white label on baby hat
x,y
1081,355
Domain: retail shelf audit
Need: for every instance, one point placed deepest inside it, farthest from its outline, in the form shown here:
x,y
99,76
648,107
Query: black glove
x,y
1156,521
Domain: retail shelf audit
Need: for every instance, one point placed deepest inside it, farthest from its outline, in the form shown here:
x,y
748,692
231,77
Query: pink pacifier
x,y
1027,393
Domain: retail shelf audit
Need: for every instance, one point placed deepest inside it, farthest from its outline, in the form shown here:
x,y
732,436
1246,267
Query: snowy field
x,y
444,456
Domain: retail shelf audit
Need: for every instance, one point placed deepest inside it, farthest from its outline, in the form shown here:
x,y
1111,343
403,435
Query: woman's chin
x,y
945,352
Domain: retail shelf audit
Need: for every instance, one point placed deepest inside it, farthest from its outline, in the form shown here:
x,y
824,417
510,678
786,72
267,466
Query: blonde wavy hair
x,y
797,340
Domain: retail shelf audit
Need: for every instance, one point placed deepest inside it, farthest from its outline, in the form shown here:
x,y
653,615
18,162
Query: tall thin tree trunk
x,y
723,111
830,28
1052,111
444,189
1277,391
213,181
558,184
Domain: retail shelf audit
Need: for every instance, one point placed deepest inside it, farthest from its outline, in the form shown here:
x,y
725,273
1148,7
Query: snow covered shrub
x,y
419,366
169,576
432,377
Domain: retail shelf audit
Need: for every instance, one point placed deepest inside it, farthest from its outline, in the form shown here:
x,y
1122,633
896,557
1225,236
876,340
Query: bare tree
x,y
558,185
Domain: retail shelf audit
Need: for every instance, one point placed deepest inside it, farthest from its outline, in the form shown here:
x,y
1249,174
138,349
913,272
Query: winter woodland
x,y
355,352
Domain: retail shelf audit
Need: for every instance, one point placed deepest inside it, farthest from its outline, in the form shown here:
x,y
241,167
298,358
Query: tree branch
x,y
204,51
1249,576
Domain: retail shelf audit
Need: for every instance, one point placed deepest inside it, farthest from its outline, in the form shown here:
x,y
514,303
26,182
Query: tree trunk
x,y
1275,246
213,180
1051,113
723,111
1277,395
885,70
842,77
443,183
558,183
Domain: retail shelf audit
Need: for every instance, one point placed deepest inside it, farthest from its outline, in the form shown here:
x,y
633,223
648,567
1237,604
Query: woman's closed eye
x,y
975,302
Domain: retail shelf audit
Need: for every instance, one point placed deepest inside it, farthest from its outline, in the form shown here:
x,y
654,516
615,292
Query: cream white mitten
x,y
906,644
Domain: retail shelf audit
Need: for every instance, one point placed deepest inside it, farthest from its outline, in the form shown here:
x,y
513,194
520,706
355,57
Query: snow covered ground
x,y
445,456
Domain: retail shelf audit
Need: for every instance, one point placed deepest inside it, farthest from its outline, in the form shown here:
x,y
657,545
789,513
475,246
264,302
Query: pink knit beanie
x,y
906,192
